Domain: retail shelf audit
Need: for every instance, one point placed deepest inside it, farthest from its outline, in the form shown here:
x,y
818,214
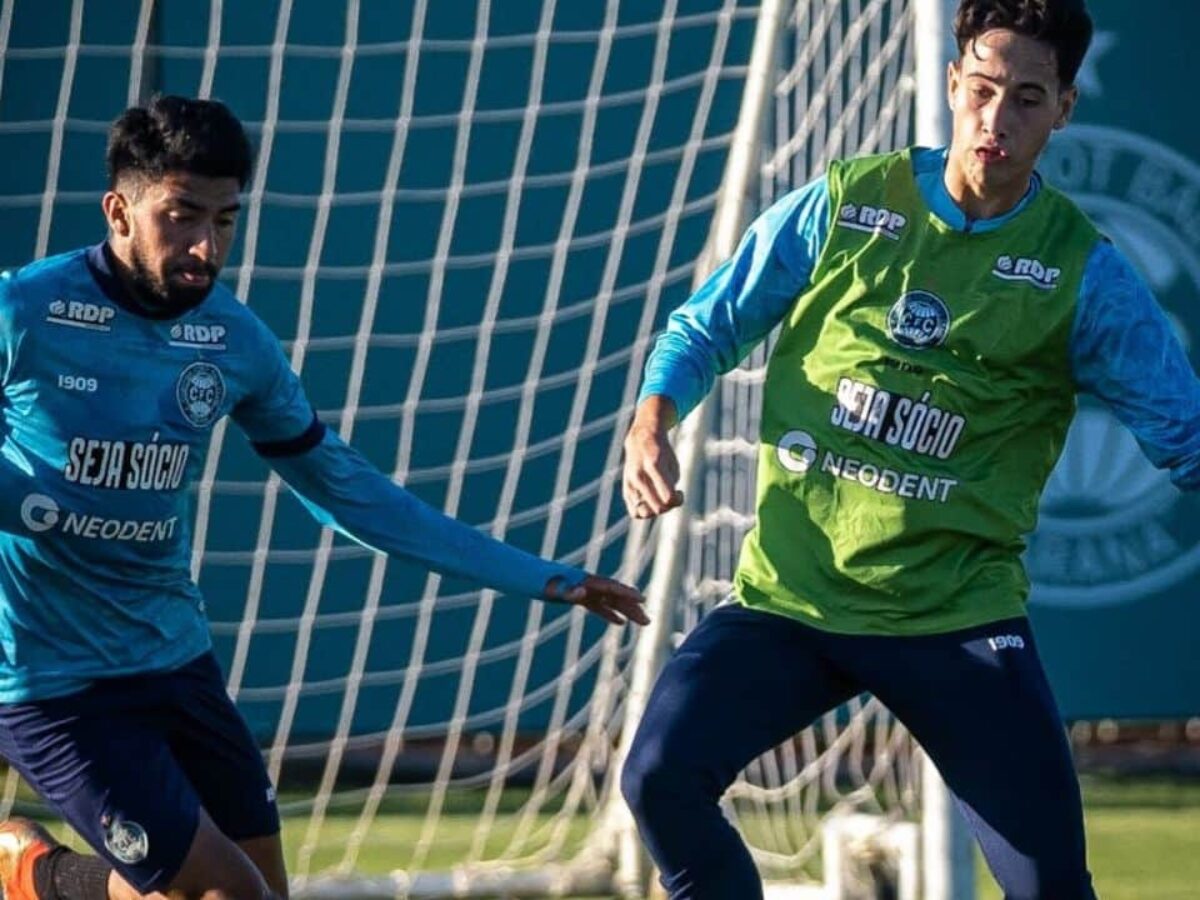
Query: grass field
x,y
1143,833
1143,839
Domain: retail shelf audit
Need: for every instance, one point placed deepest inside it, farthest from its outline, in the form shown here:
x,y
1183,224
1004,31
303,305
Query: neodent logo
x,y
41,513
797,451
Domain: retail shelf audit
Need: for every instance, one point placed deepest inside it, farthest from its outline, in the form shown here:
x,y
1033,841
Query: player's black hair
x,y
178,134
1063,24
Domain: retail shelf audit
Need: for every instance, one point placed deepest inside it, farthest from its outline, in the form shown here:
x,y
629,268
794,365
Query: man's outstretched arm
x,y
344,491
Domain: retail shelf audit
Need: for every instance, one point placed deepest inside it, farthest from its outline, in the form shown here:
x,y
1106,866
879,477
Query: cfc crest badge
x,y
918,320
200,391
125,840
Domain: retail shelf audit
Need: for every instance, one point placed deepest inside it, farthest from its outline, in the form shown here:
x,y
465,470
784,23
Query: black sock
x,y
63,874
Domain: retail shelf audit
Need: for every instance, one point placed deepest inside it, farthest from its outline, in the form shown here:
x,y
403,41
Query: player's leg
x,y
35,867
742,682
267,855
214,747
979,703
101,759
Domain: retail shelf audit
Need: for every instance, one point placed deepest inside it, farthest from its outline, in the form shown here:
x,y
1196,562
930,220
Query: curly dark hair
x,y
1063,24
178,134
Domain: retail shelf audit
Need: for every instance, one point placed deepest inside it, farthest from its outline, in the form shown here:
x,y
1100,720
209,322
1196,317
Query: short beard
x,y
157,295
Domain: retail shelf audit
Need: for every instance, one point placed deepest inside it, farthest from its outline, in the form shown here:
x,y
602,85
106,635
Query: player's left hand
x,y
610,600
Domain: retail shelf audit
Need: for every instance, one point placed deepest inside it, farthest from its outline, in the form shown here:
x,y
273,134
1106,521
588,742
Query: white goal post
x,y
467,223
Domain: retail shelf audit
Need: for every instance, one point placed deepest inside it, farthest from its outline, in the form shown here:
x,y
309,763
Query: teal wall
x,y
1116,558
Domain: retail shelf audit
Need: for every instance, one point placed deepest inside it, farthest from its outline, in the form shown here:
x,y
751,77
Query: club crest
x,y
200,391
918,320
126,840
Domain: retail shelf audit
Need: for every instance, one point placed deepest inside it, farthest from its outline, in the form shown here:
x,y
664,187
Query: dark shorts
x,y
977,700
130,761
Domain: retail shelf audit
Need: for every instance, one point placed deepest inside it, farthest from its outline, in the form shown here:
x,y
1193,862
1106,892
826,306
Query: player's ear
x,y
952,76
116,212
1067,98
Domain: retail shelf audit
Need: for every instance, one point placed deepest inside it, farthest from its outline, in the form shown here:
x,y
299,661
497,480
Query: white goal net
x,y
467,222
842,84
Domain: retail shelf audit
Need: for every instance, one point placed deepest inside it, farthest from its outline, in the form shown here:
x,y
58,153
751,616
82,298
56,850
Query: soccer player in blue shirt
x,y
115,363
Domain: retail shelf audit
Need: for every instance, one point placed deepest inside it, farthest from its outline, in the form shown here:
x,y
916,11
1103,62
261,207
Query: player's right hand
x,y
651,477
611,600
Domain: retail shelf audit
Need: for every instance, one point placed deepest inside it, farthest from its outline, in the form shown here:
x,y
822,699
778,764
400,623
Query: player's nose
x,y
204,243
995,118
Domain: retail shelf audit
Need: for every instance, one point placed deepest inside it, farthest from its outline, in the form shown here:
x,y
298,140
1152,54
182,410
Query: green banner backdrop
x,y
1116,557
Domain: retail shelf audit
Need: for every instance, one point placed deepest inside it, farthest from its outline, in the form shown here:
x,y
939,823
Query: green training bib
x,y
914,406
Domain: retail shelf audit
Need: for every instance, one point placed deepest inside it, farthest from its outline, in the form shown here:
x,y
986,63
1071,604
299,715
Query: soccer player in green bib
x,y
938,311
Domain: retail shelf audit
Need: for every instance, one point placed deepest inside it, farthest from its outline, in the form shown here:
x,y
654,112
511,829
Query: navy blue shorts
x,y
130,761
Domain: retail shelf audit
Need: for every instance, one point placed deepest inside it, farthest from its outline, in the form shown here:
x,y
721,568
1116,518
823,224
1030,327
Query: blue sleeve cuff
x,y
302,443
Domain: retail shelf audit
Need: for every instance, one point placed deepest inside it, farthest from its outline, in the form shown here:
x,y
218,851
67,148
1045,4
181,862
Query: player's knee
x,y
651,782
639,778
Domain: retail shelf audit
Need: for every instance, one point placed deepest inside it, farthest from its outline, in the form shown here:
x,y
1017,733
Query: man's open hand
x,y
611,600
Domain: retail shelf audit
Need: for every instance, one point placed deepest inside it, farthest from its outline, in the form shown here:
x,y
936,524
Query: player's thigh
x,y
216,750
214,863
979,702
741,682
101,760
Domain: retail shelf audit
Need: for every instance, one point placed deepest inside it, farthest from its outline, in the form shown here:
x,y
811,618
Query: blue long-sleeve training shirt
x,y
1123,348
105,419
